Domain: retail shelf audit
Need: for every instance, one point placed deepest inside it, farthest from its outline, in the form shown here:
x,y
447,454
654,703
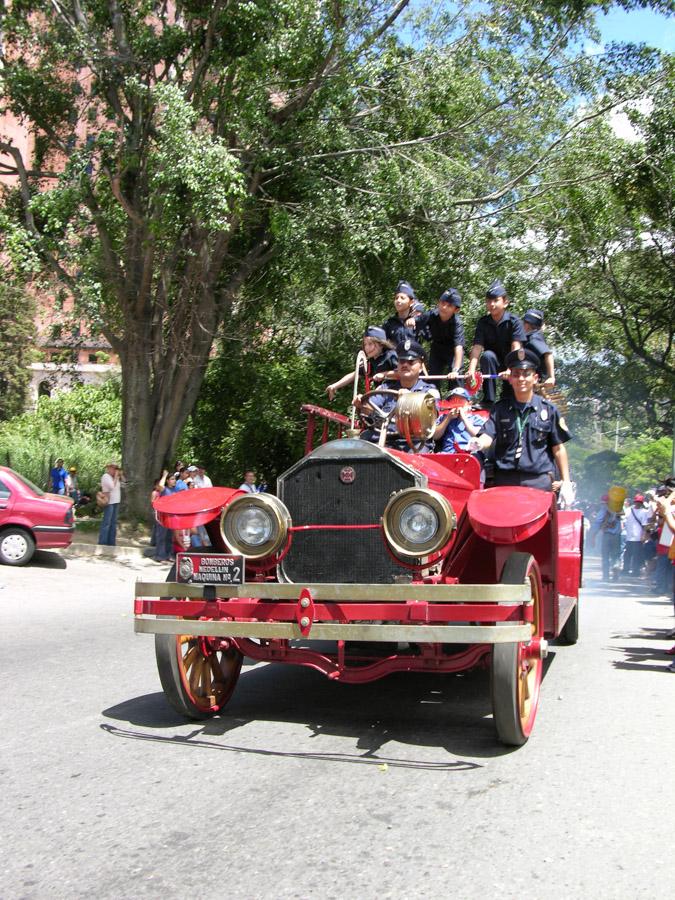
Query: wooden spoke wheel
x,y
198,674
517,667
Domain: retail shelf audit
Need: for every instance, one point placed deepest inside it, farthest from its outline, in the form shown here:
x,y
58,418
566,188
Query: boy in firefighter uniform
x,y
443,328
497,333
402,326
533,322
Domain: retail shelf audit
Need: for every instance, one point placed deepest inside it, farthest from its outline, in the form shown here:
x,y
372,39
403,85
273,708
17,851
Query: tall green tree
x,y
17,336
608,261
178,147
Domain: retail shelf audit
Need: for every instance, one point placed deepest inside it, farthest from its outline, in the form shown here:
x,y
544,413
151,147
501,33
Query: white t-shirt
x,y
635,521
202,481
110,485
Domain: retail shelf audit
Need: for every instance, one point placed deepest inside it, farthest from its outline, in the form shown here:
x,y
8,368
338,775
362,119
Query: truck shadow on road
x,y
447,712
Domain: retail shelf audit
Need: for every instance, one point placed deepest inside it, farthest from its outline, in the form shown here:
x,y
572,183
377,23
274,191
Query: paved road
x,y
315,789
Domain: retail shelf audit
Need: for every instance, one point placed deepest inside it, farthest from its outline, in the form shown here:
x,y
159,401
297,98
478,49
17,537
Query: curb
x,y
119,551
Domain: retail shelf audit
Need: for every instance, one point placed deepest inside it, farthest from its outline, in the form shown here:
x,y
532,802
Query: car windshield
x,y
29,484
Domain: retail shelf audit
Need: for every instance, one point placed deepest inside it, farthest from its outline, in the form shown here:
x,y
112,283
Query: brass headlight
x,y
418,522
255,525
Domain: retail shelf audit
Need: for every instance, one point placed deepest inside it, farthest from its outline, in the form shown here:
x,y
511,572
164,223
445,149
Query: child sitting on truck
x,y
382,361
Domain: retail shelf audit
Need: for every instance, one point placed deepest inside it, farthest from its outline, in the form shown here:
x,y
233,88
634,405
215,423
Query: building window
x,y
44,389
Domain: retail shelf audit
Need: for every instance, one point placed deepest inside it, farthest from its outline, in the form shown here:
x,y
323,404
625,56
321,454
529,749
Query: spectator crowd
x,y
635,537
168,541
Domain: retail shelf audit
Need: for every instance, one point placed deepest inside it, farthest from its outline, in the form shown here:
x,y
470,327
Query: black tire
x,y
515,679
17,546
570,630
197,678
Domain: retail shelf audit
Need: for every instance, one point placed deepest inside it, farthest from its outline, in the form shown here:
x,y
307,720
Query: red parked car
x,y
30,519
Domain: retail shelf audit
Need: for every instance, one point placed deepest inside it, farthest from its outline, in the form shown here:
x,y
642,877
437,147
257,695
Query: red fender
x,y
509,515
188,509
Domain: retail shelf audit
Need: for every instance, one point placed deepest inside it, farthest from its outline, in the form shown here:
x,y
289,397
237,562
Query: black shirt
x,y
498,336
396,330
385,362
431,327
536,343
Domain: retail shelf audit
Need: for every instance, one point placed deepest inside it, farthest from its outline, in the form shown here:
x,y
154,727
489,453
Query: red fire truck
x,y
367,561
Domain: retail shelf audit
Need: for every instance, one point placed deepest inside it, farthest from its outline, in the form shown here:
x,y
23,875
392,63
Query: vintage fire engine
x,y
368,561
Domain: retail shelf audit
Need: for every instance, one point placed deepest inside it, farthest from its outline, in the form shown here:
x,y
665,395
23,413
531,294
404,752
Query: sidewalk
x,y
130,545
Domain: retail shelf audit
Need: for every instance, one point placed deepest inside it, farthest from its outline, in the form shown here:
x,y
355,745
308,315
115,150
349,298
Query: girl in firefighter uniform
x,y
382,361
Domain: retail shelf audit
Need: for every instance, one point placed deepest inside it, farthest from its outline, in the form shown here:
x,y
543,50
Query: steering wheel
x,y
384,392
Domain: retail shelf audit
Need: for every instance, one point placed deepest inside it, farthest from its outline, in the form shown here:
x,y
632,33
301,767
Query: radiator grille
x,y
315,495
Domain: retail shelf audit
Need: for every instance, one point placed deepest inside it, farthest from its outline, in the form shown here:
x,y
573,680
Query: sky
x,y
639,26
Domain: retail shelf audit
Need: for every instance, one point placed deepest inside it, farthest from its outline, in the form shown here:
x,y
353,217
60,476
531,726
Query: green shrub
x,y
82,426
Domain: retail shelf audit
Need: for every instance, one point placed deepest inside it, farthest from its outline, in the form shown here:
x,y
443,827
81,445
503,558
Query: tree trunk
x,y
138,454
156,404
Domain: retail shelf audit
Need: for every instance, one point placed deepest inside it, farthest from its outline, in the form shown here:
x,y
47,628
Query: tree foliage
x,y
194,158
608,262
17,335
254,421
647,464
81,426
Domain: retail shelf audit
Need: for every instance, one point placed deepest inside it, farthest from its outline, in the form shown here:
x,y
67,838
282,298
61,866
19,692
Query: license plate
x,y
209,568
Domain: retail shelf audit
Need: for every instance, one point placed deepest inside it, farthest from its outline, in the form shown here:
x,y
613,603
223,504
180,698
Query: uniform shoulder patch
x,y
563,423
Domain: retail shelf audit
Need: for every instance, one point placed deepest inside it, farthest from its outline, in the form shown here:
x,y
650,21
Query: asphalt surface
x,y
309,788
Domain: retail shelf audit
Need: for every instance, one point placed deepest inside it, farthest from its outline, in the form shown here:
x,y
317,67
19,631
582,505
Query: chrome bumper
x,y
501,594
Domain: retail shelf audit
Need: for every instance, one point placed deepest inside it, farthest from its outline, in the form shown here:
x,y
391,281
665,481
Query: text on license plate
x,y
209,568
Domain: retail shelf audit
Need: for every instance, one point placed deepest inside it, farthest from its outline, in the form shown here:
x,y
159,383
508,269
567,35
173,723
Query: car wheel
x,y
17,547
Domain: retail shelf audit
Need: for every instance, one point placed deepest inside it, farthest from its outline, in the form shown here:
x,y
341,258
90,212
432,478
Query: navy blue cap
x,y
404,288
377,334
495,290
522,359
451,296
534,317
410,349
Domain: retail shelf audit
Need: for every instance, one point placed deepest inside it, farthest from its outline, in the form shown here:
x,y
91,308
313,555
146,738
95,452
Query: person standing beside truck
x,y
636,519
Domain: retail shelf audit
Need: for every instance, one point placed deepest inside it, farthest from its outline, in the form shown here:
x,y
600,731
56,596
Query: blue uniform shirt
x,y
524,435
58,476
456,438
498,336
386,403
607,522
